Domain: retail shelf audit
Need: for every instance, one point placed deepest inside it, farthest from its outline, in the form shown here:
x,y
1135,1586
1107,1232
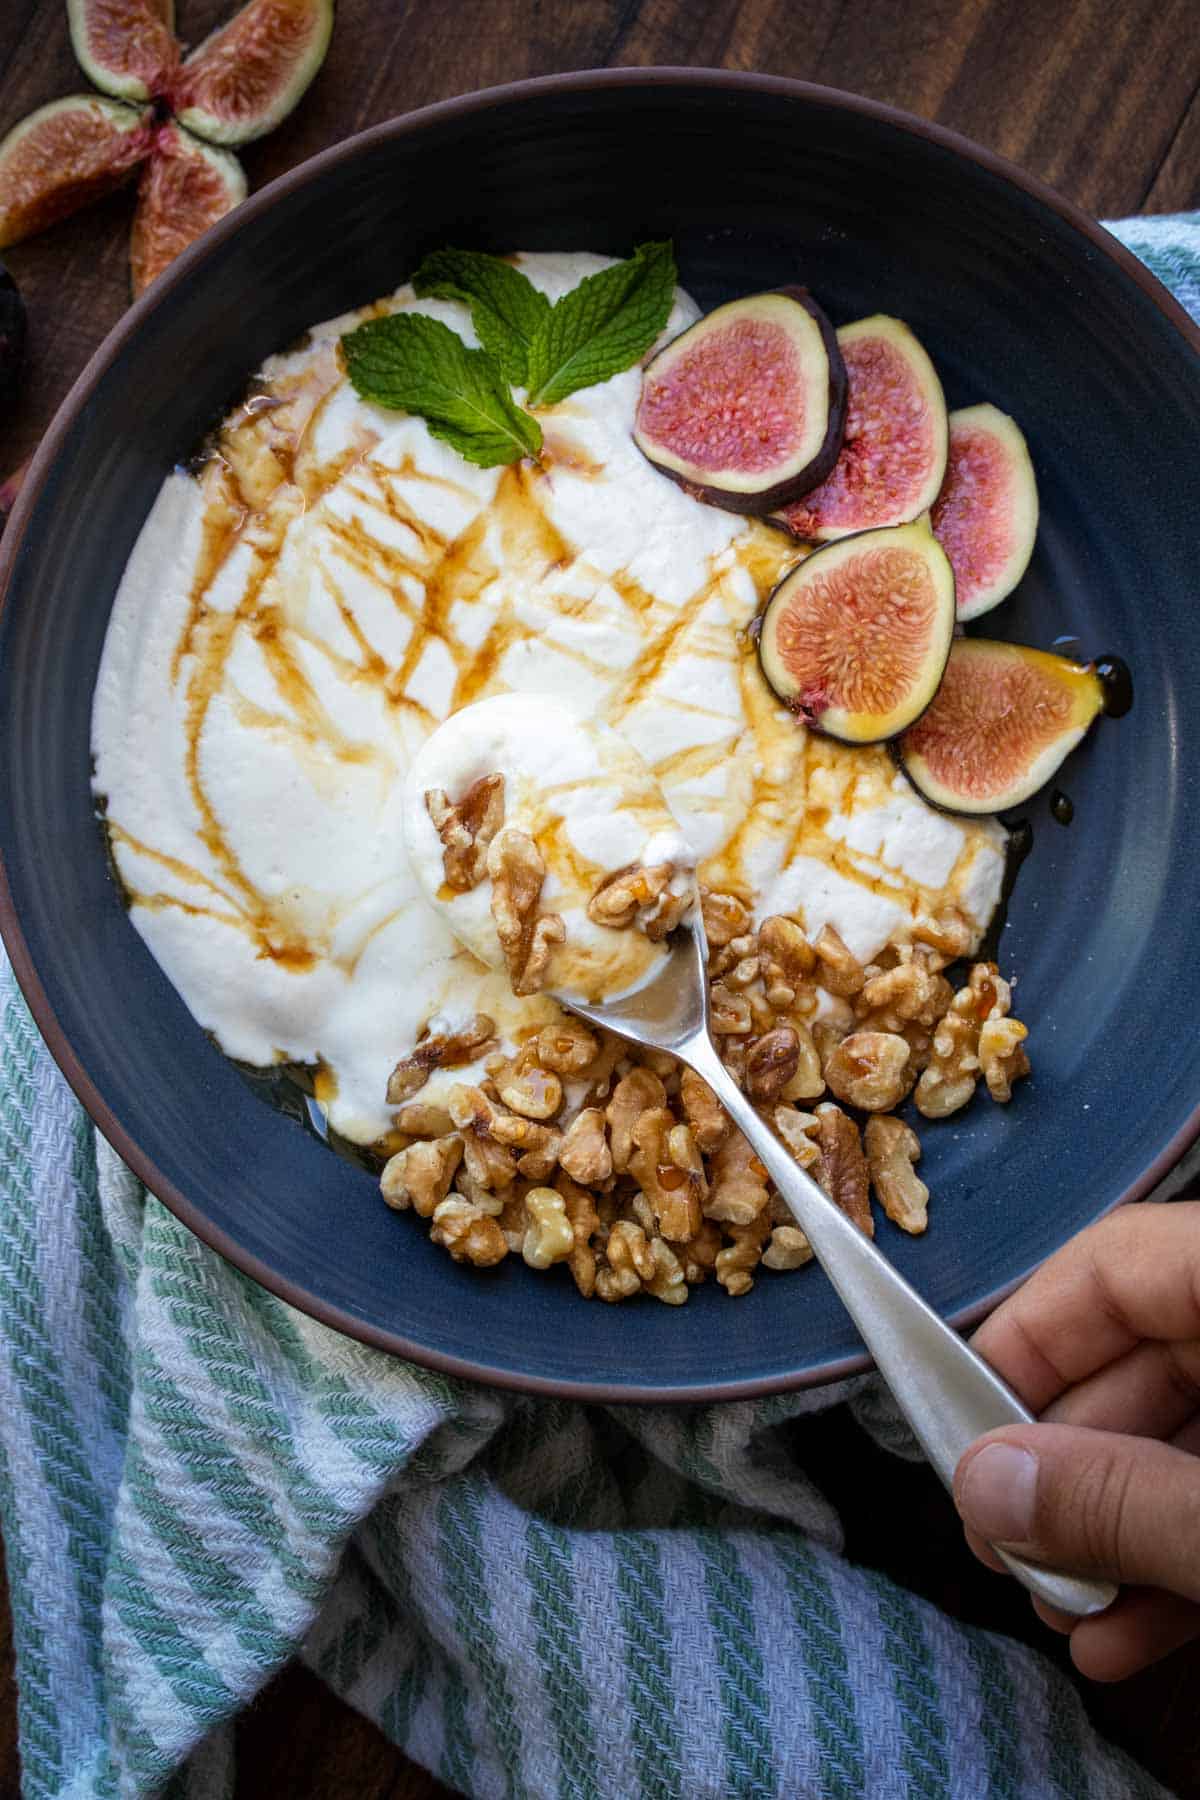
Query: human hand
x,y
1103,1343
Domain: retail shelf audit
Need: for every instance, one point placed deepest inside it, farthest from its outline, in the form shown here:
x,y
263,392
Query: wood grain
x,y
1099,97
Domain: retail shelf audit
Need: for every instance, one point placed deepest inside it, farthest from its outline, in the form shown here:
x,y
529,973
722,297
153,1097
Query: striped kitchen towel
x,y
534,1599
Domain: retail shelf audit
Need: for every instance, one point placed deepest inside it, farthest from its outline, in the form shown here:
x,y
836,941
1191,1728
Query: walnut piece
x,y
724,918
641,896
788,1249
771,1064
584,1152
421,1120
517,870
798,1129
673,1192
892,1149
842,1167
532,1092
870,1070
639,1092
840,971
440,1050
567,1048
668,1282
703,1111
737,1191
420,1176
469,1234
580,1209
742,1254
1001,1056
549,1237
467,830
787,953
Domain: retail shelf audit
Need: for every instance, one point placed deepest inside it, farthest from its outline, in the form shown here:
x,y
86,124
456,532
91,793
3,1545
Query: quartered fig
x,y
855,638
63,156
185,187
1000,725
247,76
986,515
12,332
893,457
745,408
127,47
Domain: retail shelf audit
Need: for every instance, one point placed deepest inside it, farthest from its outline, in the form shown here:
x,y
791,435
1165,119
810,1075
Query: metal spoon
x,y
947,1393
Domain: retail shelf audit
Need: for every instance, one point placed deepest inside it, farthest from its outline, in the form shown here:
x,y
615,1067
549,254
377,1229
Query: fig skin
x,y
987,534
247,76
878,481
1000,726
12,332
825,623
65,155
126,47
763,500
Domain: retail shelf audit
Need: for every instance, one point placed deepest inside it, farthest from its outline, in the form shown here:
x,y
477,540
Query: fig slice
x,y
240,82
893,457
855,638
186,187
745,408
127,47
1000,725
986,515
63,156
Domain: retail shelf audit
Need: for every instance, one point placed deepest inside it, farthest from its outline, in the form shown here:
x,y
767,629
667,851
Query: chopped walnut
x,y
639,1092
580,1208
788,1249
737,1190
440,1050
467,1233
478,1115
420,1176
640,896
788,955
907,994
467,830
954,1064
539,1161
584,1152
532,1092
699,1254
771,1064
892,1149
568,1048
742,1254
668,1283
674,1192
827,1034
628,1258
1001,1057
703,1111
870,1070
517,870
549,1237
730,1013
950,934
421,1120
724,918
797,1130
842,1167
808,1082
840,971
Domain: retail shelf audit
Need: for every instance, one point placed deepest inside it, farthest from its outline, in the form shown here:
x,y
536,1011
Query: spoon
x,y
948,1394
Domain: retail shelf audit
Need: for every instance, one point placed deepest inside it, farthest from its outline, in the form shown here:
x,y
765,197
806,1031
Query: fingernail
x,y
997,1493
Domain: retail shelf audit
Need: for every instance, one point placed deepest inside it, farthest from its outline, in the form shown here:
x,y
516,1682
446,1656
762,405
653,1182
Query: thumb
x,y
1090,1501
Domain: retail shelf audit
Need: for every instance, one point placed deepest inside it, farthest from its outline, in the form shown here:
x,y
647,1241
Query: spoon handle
x,y
948,1394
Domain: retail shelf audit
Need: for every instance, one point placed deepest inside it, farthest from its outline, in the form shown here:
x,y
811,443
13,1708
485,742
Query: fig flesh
x,y
240,82
185,187
1001,723
893,457
745,409
855,638
12,332
986,515
127,47
63,156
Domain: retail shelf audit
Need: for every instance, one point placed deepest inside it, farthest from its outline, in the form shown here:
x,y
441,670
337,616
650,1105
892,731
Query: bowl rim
x,y
183,269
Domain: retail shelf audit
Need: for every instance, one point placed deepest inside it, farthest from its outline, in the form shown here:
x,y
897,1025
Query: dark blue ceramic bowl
x,y
1021,300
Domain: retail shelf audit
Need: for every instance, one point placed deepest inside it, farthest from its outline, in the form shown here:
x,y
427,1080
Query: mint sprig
x,y
506,308
417,365
602,326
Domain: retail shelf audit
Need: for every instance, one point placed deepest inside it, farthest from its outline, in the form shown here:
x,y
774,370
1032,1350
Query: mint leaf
x,y
506,308
418,365
602,326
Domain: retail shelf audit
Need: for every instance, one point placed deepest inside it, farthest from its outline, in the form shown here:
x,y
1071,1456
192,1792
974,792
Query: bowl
x,y
1021,300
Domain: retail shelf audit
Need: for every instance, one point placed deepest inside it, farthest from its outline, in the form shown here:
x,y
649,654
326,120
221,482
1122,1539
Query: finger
x,y
1151,1392
983,1550
1142,1626
1062,1622
1134,1275
1092,1501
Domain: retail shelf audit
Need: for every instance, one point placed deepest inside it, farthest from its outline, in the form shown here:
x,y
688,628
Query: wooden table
x,y
1100,97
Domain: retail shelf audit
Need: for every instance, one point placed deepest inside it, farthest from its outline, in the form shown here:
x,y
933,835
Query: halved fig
x,y
1002,721
745,409
127,47
186,187
986,516
63,156
247,76
893,457
855,638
